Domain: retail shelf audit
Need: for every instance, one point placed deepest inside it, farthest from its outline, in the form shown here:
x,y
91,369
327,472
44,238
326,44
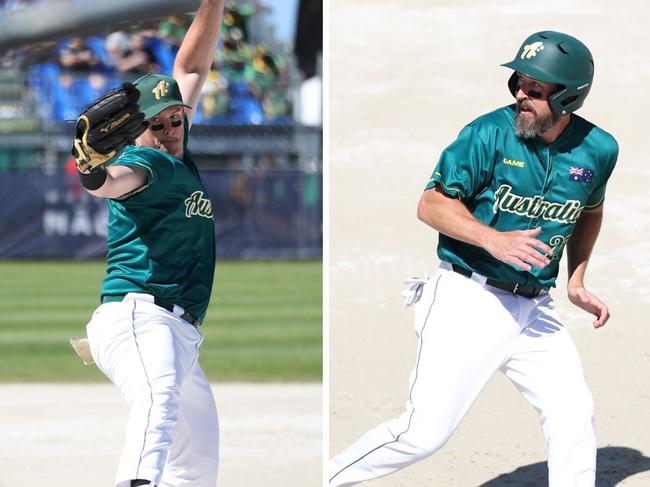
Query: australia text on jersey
x,y
196,204
536,206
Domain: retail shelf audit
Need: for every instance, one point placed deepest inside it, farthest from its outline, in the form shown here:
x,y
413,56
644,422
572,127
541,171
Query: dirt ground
x,y
71,435
404,78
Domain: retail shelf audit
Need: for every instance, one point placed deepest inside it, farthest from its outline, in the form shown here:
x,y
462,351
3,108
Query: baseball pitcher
x,y
131,148
516,188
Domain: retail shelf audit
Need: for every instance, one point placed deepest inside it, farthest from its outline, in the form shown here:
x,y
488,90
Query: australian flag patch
x,y
580,174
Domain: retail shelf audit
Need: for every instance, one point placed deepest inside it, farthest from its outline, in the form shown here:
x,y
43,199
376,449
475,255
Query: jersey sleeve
x,y
597,197
157,168
464,166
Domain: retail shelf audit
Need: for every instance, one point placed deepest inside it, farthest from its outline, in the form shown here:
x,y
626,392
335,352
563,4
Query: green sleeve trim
x,y
451,190
595,205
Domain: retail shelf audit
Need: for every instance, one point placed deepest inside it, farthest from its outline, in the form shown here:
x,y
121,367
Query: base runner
x,y
517,187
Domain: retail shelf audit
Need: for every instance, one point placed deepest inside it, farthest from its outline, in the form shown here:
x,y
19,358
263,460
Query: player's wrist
x,y
486,238
576,277
94,179
574,286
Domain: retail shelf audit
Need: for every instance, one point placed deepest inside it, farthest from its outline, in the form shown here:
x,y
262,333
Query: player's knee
x,y
159,411
424,443
166,399
425,449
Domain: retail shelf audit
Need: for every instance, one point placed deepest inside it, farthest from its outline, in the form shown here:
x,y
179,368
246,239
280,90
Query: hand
x,y
583,299
520,248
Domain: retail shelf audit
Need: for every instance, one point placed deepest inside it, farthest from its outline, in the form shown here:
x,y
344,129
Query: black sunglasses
x,y
535,94
175,123
532,93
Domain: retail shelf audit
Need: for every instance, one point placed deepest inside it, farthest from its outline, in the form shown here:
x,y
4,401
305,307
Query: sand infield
x,y
64,435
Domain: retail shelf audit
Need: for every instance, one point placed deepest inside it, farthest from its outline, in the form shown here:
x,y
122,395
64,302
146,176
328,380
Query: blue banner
x,y
275,214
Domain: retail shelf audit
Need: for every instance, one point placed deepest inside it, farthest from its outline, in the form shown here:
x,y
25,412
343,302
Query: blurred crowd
x,y
248,82
7,7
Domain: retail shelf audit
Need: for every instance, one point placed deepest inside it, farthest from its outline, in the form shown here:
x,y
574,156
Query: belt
x,y
158,302
518,289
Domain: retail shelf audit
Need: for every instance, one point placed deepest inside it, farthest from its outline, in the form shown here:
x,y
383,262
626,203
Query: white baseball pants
x,y
151,355
466,331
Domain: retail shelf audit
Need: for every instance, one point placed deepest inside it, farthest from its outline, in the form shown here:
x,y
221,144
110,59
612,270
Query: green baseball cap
x,y
158,92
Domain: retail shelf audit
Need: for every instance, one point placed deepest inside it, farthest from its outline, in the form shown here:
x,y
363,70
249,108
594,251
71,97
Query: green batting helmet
x,y
554,57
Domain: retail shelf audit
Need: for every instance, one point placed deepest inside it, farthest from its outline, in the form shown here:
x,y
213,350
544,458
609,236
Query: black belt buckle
x,y
514,288
527,291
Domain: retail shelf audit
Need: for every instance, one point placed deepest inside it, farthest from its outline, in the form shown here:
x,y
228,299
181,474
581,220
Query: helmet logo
x,y
531,50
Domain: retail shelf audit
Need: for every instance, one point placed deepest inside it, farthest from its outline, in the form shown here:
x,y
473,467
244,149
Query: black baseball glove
x,y
106,126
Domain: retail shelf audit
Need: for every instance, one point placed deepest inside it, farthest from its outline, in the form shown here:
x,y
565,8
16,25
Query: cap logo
x,y
161,89
531,50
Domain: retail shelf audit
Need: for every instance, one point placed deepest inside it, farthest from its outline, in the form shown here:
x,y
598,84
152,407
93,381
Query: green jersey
x,y
510,183
161,238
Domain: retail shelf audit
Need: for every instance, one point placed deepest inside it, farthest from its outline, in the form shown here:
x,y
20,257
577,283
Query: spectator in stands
x,y
77,56
236,16
130,54
216,99
117,45
267,75
174,28
261,73
97,84
233,55
276,105
139,47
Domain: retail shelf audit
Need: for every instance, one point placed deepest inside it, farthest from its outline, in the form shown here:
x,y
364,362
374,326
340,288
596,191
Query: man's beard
x,y
529,129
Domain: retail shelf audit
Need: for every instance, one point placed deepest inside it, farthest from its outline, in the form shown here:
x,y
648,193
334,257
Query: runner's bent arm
x,y
451,217
579,248
581,243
